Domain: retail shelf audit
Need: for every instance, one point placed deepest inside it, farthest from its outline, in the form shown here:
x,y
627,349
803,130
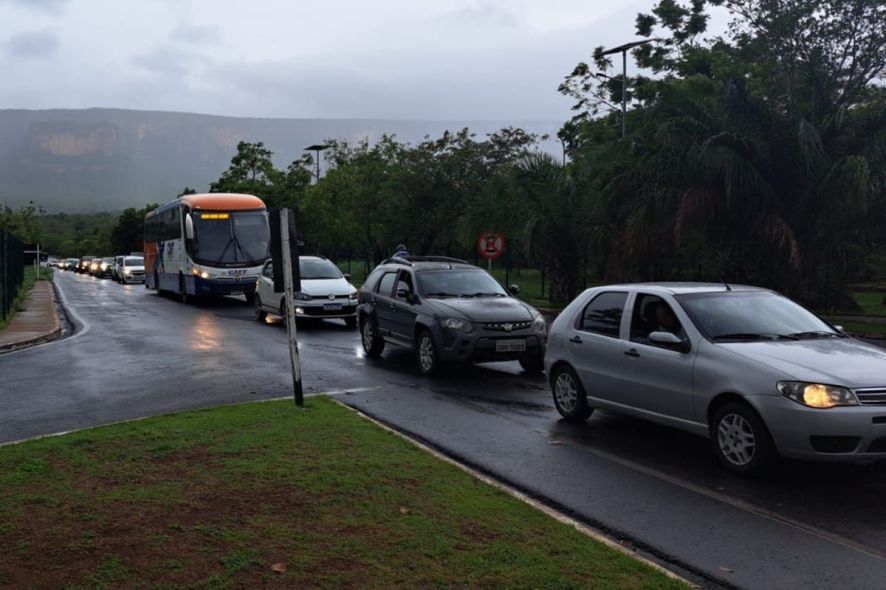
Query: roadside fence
x,y
12,271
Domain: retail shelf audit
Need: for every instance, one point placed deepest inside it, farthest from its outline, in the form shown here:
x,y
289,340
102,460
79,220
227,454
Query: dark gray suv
x,y
447,310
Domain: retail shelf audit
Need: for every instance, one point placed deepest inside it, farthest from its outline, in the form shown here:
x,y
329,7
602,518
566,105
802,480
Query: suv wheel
x,y
569,394
373,345
426,353
741,440
260,314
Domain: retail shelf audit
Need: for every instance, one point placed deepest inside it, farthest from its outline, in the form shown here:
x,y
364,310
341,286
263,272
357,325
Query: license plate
x,y
510,346
332,307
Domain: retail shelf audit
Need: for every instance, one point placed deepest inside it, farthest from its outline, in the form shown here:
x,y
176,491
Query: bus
x,y
207,244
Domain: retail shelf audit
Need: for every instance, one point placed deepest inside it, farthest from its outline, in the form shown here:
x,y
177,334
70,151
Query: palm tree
x,y
557,221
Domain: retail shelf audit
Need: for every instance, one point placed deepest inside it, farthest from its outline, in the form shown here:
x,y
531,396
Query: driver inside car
x,y
667,321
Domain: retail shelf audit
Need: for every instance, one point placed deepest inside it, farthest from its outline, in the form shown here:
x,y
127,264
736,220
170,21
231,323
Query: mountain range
x,y
109,159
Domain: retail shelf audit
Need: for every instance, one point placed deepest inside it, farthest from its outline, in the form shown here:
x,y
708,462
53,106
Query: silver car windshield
x,y
753,315
133,261
466,283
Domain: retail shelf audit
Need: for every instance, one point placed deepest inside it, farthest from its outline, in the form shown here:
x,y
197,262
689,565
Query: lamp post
x,y
317,148
623,49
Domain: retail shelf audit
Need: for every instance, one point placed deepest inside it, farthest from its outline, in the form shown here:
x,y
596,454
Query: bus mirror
x,y
189,227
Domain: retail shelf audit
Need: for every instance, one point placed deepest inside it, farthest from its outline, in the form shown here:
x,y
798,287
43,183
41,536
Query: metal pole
x,y
290,308
489,265
624,94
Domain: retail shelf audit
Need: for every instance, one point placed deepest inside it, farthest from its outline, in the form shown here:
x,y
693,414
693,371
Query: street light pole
x,y
623,49
317,148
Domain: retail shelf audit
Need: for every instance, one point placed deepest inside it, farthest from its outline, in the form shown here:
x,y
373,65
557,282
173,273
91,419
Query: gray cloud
x,y
167,61
196,34
483,14
32,44
50,6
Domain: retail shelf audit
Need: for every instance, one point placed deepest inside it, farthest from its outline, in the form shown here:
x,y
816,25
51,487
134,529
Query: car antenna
x,y
725,284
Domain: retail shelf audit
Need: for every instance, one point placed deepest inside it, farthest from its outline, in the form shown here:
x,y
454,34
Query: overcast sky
x,y
403,59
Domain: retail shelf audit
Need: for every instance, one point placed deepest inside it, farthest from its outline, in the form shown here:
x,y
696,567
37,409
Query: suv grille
x,y
873,396
507,326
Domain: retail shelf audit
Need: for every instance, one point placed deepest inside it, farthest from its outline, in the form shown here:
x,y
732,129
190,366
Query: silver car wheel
x,y
368,335
426,353
736,439
566,392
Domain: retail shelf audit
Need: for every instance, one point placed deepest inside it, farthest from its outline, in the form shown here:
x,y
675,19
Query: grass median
x,y
267,495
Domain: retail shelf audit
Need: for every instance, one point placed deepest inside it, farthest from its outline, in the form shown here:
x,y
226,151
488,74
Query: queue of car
x,y
757,374
122,268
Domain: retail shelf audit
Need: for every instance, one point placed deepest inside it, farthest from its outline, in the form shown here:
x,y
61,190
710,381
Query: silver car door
x,y
658,378
595,346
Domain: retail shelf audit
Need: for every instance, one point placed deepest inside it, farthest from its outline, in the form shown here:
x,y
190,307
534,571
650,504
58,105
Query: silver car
x,y
758,374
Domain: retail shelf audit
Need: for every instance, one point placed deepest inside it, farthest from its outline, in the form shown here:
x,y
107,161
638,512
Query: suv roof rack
x,y
396,260
409,261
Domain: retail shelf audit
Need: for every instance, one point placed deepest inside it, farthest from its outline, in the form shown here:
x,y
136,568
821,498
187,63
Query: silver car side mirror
x,y
665,338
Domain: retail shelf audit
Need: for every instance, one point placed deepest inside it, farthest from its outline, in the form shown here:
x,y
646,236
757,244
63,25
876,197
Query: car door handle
x,y
632,352
575,339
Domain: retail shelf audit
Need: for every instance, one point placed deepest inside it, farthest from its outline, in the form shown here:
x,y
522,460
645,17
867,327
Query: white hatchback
x,y
326,293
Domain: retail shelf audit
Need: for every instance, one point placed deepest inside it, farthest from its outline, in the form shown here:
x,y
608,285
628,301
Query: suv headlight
x,y
302,296
457,324
539,324
817,395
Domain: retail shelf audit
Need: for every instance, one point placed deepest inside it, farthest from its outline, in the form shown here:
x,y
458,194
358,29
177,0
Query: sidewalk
x,y
37,321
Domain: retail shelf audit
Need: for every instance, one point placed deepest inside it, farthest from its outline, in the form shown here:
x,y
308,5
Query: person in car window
x,y
667,321
401,252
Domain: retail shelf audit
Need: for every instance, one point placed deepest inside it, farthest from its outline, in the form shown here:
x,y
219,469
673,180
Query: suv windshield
x,y
236,238
315,270
459,283
133,261
748,316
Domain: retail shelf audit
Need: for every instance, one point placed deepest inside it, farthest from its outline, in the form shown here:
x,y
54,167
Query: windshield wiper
x,y
754,336
817,334
441,295
482,294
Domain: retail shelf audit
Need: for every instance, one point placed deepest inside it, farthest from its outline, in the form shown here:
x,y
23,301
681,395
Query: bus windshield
x,y
238,238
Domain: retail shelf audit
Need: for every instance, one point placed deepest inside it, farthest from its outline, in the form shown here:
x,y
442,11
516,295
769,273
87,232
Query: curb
x,y
43,338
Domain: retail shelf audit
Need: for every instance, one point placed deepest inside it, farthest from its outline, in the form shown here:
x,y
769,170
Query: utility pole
x,y
291,331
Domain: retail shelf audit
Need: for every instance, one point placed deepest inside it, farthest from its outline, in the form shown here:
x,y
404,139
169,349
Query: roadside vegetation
x,y
753,157
267,495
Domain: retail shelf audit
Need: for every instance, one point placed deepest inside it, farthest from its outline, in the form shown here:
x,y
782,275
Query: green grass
x,y
860,328
871,302
30,277
216,498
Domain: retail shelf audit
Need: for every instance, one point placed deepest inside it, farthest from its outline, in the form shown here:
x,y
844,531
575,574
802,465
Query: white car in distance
x,y
326,293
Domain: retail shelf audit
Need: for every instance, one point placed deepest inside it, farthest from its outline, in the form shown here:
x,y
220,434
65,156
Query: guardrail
x,y
12,271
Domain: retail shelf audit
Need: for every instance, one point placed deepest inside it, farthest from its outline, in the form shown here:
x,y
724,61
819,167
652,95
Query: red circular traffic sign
x,y
491,245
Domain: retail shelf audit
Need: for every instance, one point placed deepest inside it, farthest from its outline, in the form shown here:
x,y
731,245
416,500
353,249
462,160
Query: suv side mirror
x,y
406,294
348,277
514,289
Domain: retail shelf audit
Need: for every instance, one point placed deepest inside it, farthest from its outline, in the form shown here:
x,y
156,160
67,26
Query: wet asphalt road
x,y
138,354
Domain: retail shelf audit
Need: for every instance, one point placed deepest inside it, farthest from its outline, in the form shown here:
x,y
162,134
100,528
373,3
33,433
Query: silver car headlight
x,y
302,296
817,395
539,324
353,296
457,324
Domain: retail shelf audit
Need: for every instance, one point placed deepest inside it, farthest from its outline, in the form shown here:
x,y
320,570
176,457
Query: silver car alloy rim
x,y
566,392
426,353
367,335
736,439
